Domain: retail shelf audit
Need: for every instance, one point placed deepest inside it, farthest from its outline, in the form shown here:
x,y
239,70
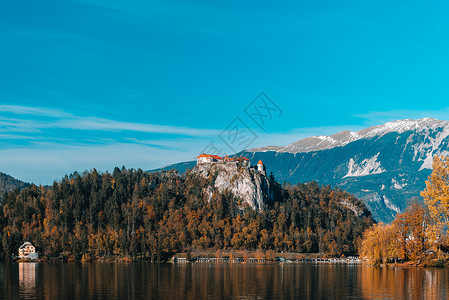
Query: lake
x,y
219,281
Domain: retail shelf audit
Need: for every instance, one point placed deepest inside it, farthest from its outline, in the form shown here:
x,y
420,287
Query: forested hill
x,y
148,216
8,183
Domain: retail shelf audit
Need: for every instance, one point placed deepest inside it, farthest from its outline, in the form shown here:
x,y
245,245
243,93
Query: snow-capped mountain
x,y
384,165
339,139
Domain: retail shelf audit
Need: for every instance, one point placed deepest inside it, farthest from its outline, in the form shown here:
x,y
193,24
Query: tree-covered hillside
x,y
9,183
149,215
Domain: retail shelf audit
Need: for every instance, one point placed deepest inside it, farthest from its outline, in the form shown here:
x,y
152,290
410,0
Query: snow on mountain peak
x,y
316,143
401,126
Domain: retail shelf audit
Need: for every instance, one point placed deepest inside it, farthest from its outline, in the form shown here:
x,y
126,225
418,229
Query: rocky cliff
x,y
243,182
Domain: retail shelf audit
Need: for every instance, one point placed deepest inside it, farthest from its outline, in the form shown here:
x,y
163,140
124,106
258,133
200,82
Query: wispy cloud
x,y
15,125
36,111
64,120
35,144
42,144
187,144
92,123
45,161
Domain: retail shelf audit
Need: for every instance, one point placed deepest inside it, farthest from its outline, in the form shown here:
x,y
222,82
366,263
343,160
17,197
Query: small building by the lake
x,y
28,251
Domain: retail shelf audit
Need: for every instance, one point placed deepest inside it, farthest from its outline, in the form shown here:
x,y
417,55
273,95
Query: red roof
x,y
210,155
260,162
226,157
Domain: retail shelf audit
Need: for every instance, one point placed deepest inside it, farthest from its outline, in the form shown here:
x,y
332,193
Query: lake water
x,y
219,281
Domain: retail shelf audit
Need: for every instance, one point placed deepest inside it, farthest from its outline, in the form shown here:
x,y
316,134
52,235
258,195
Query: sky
x,y
143,84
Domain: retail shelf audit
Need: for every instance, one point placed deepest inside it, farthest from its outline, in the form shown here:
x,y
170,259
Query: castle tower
x,y
260,166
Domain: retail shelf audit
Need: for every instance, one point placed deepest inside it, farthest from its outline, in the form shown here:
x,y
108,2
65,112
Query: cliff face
x,y
245,183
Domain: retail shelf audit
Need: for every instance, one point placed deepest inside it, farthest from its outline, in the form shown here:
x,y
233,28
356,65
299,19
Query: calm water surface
x,y
219,281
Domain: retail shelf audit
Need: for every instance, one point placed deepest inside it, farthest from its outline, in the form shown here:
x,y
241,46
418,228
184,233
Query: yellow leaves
x,y
436,193
377,242
6,210
413,231
150,212
412,227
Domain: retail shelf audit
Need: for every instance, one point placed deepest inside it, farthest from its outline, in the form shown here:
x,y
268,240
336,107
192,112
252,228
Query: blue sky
x,y
98,84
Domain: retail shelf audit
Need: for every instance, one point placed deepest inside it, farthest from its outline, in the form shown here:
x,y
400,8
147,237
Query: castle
x,y
210,159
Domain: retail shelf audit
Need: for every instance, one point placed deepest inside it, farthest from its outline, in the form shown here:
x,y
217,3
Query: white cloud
x,y
92,123
61,119
47,157
37,111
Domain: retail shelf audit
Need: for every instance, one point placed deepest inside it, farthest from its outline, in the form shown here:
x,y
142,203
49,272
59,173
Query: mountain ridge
x,y
384,165
342,138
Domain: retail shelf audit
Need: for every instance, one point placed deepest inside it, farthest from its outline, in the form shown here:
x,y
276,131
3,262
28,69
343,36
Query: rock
x,y
248,184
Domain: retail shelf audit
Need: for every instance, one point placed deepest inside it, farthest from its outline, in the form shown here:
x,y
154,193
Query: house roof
x,y
25,244
226,157
210,155
260,162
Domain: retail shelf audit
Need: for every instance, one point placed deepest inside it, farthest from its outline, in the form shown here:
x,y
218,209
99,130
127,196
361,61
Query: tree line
x,y
149,216
420,233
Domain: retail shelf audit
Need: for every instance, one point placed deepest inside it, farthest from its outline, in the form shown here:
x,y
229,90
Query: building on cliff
x,y
261,167
210,159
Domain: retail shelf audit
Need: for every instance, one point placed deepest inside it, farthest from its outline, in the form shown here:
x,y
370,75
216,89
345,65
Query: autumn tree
x,y
436,197
412,239
379,243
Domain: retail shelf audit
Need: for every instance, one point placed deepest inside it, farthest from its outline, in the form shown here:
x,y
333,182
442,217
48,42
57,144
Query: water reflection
x,y
219,281
27,279
404,283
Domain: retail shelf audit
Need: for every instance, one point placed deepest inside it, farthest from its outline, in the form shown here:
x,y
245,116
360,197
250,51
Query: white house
x,y
208,158
27,250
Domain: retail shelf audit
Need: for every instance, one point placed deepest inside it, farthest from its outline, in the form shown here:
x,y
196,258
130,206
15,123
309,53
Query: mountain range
x,y
385,165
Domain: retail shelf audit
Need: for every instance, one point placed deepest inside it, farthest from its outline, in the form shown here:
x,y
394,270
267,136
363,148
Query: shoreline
x,y
240,260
